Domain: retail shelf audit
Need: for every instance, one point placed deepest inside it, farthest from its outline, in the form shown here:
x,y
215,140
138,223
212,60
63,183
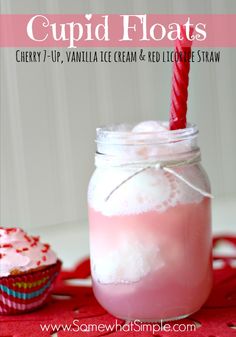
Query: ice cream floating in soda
x,y
150,215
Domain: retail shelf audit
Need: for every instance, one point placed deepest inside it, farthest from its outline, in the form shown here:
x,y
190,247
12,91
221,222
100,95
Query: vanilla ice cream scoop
x,y
150,126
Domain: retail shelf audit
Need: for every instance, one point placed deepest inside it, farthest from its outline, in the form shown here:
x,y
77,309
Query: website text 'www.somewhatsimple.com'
x,y
134,326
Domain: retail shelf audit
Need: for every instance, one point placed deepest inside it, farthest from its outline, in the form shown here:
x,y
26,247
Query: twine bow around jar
x,y
167,166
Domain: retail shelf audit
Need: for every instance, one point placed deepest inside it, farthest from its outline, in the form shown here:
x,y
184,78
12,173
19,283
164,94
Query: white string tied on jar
x,y
167,166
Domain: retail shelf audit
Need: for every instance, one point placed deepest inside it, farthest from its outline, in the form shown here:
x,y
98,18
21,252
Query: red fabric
x,y
216,319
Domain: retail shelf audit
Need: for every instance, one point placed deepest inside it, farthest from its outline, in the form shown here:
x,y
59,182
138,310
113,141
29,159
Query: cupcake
x,y
28,271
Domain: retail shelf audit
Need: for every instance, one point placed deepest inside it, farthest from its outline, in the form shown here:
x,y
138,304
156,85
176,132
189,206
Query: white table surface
x,y
71,240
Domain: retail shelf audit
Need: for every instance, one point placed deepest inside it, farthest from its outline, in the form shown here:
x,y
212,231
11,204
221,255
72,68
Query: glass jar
x,y
150,223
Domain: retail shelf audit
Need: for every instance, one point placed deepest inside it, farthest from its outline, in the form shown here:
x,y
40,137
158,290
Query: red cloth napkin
x,y
73,307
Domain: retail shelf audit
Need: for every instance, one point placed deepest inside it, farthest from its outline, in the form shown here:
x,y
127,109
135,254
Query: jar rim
x,y
117,134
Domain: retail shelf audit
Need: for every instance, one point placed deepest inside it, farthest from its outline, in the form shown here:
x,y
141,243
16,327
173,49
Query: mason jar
x,y
149,207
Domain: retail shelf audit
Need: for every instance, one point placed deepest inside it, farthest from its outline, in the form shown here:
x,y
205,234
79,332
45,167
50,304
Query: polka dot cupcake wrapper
x,y
26,292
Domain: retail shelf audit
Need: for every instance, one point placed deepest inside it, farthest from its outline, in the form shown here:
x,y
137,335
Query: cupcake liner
x,y
26,292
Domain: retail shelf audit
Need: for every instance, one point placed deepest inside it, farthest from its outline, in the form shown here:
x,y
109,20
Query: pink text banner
x,y
116,30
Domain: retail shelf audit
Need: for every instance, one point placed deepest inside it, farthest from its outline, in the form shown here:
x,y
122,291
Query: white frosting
x,y
19,251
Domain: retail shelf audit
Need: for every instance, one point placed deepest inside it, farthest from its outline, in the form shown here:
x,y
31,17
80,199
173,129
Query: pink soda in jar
x,y
150,222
